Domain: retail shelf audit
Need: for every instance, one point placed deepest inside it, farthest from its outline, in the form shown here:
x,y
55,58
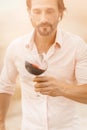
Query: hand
x,y
2,126
48,86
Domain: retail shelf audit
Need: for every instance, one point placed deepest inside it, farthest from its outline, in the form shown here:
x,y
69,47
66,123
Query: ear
x,y
60,16
29,11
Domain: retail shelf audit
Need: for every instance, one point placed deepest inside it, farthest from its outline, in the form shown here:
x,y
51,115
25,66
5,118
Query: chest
x,y
61,64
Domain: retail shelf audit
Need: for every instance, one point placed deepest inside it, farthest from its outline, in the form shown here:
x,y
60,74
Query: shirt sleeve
x,y
9,72
81,63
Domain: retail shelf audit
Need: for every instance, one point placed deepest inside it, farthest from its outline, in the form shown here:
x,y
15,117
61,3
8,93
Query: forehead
x,y
44,4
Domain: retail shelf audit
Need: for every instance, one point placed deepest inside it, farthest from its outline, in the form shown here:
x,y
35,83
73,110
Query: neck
x,y
43,43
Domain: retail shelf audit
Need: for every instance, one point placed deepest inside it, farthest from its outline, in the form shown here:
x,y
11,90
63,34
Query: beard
x,y
45,29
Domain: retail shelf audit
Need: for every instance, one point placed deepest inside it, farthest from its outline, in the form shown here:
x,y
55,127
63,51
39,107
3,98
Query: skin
x,y
44,17
4,104
51,86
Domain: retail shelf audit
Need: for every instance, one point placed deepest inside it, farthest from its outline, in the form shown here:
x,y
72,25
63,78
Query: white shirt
x,y
67,59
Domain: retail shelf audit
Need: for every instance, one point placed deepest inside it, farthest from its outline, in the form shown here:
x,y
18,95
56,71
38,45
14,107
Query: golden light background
x,y
14,22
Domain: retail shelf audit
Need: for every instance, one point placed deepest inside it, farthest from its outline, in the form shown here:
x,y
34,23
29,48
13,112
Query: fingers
x,y
46,85
40,79
41,85
42,90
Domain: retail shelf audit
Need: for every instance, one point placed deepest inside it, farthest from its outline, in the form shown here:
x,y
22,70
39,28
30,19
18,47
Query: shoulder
x,y
17,46
19,42
73,39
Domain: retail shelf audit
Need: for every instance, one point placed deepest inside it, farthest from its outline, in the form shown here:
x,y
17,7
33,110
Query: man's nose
x,y
43,17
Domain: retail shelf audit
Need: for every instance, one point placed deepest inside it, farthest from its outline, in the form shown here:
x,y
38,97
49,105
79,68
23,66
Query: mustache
x,y
44,24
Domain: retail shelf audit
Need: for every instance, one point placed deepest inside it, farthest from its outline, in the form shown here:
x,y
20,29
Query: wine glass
x,y
36,64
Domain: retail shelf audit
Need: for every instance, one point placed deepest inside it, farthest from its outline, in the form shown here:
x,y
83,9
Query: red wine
x,y
33,69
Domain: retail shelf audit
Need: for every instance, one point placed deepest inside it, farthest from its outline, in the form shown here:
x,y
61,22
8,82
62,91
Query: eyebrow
x,y
38,8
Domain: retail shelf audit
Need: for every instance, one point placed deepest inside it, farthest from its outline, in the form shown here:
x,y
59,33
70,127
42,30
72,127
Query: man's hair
x,y
61,6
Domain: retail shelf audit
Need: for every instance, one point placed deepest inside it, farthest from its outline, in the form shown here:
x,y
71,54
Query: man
x,y
65,81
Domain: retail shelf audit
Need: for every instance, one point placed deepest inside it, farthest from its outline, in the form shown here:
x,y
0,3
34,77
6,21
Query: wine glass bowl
x,y
36,64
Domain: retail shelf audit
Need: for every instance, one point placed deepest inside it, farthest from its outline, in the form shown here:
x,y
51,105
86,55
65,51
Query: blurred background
x,y
14,22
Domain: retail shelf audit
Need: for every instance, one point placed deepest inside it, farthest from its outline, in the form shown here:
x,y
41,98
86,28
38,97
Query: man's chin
x,y
44,34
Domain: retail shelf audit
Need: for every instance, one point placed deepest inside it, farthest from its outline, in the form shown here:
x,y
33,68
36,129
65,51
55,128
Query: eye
x,y
50,11
36,11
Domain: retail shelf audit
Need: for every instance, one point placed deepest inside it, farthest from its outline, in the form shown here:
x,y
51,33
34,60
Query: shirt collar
x,y
58,40
30,39
59,37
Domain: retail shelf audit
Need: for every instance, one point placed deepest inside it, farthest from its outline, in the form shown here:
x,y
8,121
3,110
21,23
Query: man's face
x,y
44,16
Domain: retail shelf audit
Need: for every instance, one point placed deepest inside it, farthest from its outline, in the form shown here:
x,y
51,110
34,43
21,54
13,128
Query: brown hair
x,y
61,6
